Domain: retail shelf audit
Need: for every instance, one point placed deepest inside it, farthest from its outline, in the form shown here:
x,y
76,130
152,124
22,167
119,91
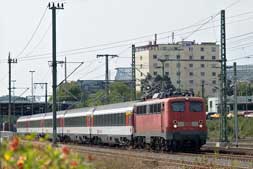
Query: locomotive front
x,y
186,122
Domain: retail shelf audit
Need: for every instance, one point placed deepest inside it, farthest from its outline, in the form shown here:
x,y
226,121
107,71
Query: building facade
x,y
188,64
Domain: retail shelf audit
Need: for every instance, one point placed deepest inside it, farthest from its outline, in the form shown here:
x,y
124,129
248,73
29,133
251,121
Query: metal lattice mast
x,y
133,74
223,105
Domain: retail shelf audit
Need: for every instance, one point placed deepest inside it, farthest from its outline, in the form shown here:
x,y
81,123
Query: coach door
x,y
89,122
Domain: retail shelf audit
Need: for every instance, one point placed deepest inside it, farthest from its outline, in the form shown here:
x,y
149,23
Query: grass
x,y
244,124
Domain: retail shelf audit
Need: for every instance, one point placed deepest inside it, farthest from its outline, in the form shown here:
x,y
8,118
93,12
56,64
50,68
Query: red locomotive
x,y
161,124
170,123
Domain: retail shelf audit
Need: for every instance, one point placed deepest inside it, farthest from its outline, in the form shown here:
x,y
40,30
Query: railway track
x,y
182,160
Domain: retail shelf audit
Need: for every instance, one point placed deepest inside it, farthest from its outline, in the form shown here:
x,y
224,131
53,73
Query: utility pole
x,y
163,62
133,73
13,87
13,96
223,84
179,74
44,84
10,61
32,71
107,73
203,88
65,67
53,7
235,106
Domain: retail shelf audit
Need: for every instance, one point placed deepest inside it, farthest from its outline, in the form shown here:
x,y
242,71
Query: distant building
x,y
244,73
189,64
244,103
124,73
91,86
21,106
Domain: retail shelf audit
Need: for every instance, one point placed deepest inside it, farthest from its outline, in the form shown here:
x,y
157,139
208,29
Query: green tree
x,y
244,89
119,92
69,91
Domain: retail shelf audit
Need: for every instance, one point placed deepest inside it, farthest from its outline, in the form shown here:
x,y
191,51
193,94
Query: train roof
x,y
154,101
116,105
23,118
110,108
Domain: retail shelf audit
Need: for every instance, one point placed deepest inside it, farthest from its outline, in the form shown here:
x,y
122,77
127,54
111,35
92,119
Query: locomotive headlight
x,y
175,126
200,124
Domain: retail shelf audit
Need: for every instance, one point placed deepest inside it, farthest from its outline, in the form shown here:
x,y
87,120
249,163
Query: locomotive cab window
x,y
178,106
141,110
196,106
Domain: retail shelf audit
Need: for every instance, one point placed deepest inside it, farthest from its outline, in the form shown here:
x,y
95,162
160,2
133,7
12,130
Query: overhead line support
x,y
107,73
10,61
53,7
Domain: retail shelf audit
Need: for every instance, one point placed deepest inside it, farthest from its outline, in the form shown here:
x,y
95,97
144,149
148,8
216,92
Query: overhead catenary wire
x,y
33,34
145,36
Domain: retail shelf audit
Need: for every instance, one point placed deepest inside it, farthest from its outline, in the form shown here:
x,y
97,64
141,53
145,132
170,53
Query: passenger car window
x,y
196,107
178,106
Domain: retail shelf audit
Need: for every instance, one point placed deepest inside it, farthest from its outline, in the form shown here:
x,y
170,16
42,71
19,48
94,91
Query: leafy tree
x,y
69,91
118,92
244,89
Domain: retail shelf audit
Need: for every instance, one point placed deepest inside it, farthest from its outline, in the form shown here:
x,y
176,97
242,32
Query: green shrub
x,y
40,156
244,124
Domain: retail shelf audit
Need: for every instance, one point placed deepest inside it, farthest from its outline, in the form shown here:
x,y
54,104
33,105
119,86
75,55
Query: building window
x,y
214,81
154,56
214,90
214,66
166,56
213,57
178,81
191,81
202,73
178,64
202,49
202,57
140,66
155,65
190,65
191,73
202,65
178,57
213,49
167,73
140,57
155,73
202,81
190,57
141,74
166,64
178,73
213,73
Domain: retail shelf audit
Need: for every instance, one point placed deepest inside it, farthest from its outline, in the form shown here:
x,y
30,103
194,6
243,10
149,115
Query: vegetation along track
x,y
178,159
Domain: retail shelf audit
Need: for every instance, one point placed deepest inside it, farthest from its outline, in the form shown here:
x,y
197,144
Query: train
x,y
161,124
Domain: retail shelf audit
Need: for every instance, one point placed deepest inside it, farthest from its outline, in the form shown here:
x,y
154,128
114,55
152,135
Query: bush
x,y
244,124
28,156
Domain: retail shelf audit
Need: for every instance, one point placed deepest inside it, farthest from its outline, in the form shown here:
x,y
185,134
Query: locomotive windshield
x,y
178,106
196,107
